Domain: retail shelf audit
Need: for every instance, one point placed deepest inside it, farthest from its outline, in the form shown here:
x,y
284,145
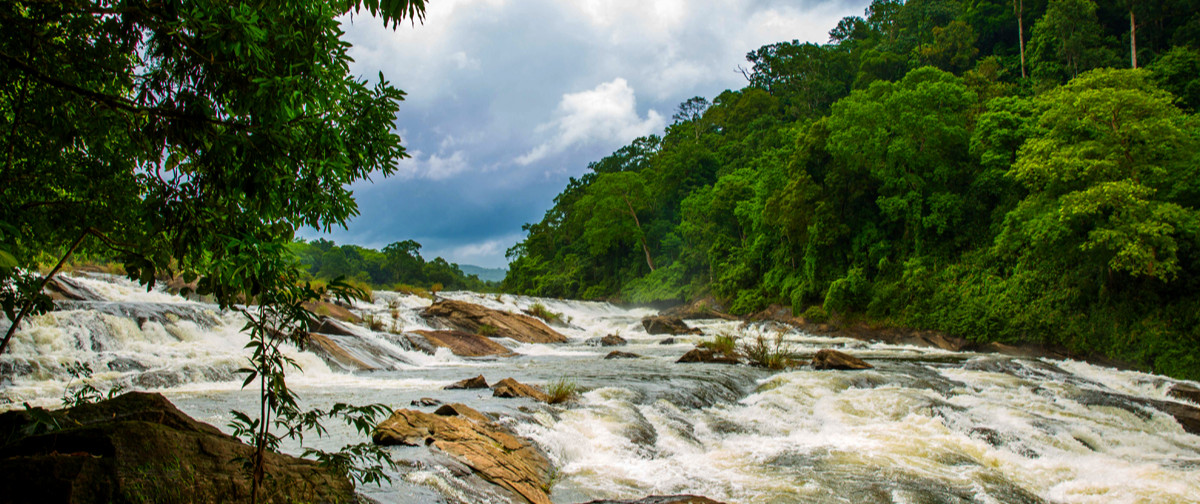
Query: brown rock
x,y
65,288
335,327
477,382
661,499
467,435
465,344
612,340
139,448
1185,392
833,359
617,354
510,388
336,311
667,325
425,402
706,308
473,318
334,355
704,355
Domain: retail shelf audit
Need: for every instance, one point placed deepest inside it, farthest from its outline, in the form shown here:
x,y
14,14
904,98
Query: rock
x,y
463,344
706,308
667,325
425,402
510,388
661,499
335,327
617,354
474,318
667,341
477,382
65,288
833,359
334,355
1185,392
1187,415
704,355
139,448
471,438
331,310
612,340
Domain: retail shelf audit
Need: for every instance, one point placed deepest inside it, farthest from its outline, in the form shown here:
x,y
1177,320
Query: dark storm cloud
x,y
507,99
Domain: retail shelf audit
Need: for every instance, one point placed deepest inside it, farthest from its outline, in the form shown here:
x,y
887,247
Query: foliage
x,y
399,263
725,344
86,392
539,310
561,391
908,172
769,353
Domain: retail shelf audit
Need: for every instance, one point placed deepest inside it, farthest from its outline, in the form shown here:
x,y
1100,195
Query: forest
x,y
397,266
1002,170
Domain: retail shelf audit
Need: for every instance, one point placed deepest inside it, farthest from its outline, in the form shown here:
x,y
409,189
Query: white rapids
x,y
924,426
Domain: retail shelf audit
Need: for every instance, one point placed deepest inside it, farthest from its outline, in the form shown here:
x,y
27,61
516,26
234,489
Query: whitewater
x,y
924,426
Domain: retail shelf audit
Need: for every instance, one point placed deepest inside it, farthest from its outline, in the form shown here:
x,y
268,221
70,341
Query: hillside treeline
x,y
996,169
398,265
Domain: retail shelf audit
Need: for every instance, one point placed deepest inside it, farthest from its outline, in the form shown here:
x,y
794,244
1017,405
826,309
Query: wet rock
x,y
833,359
477,382
425,402
706,308
667,341
473,318
510,388
607,340
658,324
125,364
332,310
334,355
65,288
662,499
139,448
463,344
470,437
1185,392
704,355
617,354
334,327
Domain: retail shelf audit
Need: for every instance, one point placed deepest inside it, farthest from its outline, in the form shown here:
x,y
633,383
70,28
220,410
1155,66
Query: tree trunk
x,y
12,328
1019,10
1132,38
642,234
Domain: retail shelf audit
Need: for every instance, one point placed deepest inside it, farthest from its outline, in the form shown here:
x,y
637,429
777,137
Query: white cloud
x,y
432,167
487,253
607,113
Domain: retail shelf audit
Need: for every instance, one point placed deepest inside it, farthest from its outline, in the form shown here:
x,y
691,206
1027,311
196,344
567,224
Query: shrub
x,y
816,314
539,310
722,343
848,293
771,355
561,391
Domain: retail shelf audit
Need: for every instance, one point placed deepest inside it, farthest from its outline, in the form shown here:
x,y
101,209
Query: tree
x,y
612,204
1067,40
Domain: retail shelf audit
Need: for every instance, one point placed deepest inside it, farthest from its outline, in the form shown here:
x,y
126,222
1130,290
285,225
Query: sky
x,y
507,99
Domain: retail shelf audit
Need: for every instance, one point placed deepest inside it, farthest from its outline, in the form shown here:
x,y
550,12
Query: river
x,y
924,426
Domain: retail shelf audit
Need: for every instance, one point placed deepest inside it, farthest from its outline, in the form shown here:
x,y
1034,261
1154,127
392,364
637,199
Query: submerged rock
x,y
477,382
617,354
473,318
462,344
705,355
140,448
833,359
661,499
510,388
658,324
474,440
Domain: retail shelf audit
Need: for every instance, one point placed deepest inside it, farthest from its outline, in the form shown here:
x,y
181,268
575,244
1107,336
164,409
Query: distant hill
x,y
485,274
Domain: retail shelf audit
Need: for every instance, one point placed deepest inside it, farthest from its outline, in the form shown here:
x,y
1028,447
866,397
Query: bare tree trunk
x,y
636,222
1132,37
1019,10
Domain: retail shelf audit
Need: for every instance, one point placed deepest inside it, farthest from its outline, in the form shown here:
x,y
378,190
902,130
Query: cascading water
x,y
924,425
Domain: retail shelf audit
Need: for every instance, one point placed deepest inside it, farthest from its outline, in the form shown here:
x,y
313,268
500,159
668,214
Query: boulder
x,y
833,359
471,438
65,288
510,388
334,355
667,341
658,324
612,340
661,499
706,308
331,310
617,354
477,382
462,344
425,402
139,447
335,327
473,318
704,355
1185,392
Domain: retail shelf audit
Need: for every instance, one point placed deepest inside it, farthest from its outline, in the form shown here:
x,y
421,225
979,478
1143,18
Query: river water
x,y
924,426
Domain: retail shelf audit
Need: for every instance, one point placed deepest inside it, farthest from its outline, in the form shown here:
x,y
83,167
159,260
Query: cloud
x,y
432,167
483,253
607,113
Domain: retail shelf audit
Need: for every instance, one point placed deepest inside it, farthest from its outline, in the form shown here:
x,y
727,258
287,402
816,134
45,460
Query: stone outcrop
x,y
658,324
140,448
334,355
707,356
662,499
510,388
617,354
332,310
473,318
462,344
335,327
477,382
473,439
607,340
833,359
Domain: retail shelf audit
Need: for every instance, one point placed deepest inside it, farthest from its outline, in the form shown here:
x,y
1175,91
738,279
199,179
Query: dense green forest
x,y
398,265
1003,170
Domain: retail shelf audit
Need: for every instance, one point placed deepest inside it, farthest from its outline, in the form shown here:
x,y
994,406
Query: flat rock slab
x,y
464,344
473,439
833,359
334,355
473,318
